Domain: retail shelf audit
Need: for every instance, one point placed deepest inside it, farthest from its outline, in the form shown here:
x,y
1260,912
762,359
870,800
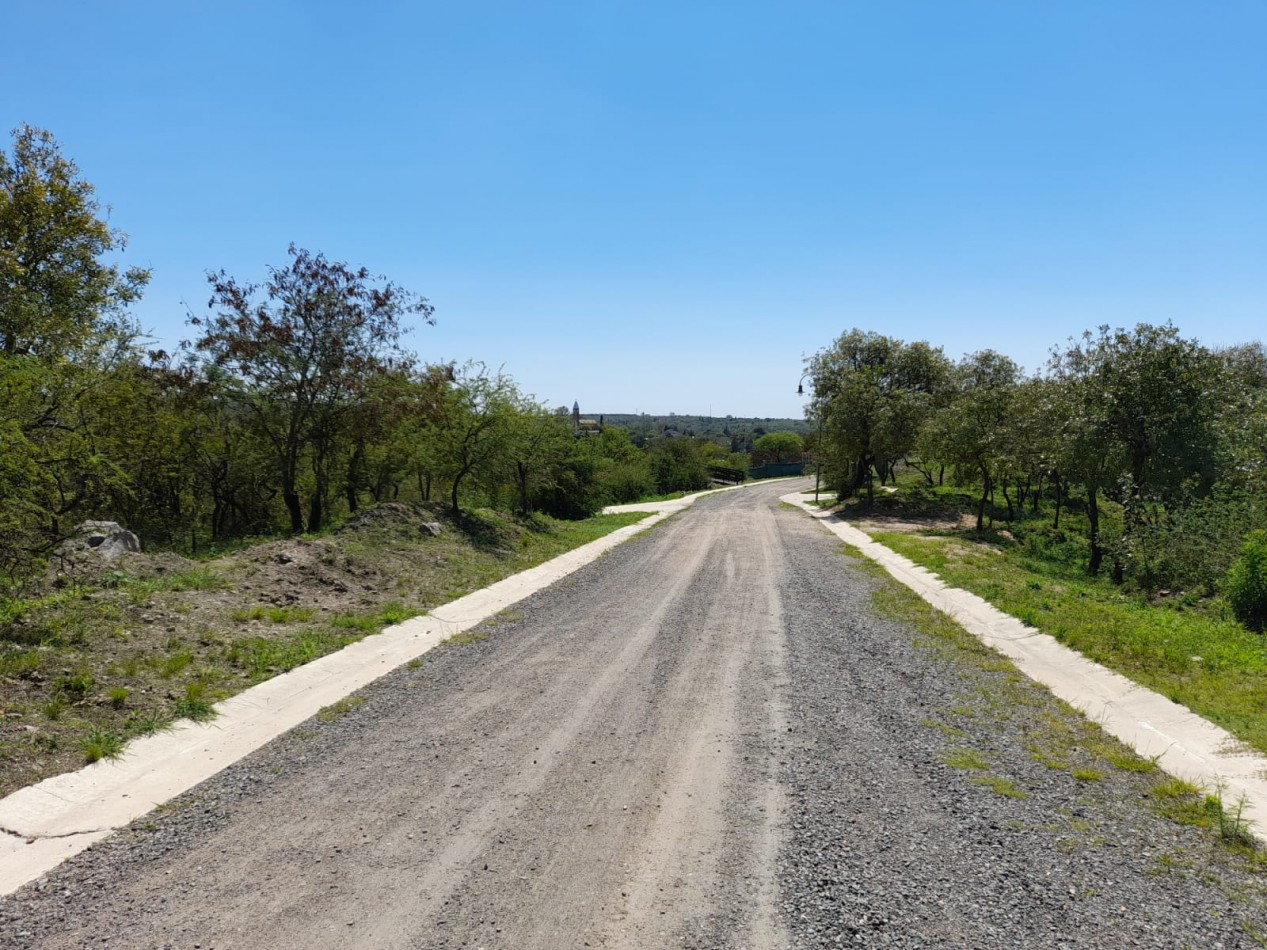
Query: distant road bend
x,y
707,738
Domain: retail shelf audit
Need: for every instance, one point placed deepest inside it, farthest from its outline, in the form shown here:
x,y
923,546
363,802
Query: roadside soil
x,y
724,733
115,649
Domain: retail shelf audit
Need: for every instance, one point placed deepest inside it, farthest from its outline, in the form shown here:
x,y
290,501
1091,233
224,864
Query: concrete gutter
x,y
44,824
1182,743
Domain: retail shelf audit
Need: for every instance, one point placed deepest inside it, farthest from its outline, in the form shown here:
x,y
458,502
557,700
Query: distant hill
x,y
734,432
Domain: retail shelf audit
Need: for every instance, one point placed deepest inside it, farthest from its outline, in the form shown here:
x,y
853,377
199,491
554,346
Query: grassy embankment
x,y
157,638
1184,646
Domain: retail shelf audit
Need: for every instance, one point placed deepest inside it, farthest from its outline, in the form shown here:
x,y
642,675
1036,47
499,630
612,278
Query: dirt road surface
x,y
704,739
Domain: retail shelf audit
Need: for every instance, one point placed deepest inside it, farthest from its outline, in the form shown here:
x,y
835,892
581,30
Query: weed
x,y
1088,775
416,663
1127,761
1000,785
336,711
262,657
146,723
101,743
173,664
19,663
965,759
195,704
75,685
55,707
461,639
944,729
276,615
118,696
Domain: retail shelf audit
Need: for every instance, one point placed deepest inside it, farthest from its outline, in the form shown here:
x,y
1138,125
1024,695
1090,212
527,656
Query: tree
x,y
1140,412
304,356
63,334
971,433
56,292
872,394
469,437
537,443
777,447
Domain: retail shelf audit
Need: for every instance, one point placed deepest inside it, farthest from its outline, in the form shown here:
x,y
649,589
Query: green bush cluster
x,y
1245,586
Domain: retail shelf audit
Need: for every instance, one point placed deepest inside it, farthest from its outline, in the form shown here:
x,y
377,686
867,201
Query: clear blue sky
x,y
653,206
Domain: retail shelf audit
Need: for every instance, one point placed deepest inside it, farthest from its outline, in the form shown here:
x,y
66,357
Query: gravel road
x,y
710,737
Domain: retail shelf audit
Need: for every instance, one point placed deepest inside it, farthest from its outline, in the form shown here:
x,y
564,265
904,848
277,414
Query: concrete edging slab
x,y
1183,744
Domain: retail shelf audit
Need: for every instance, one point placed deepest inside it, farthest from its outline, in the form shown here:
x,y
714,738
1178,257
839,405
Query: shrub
x,y
1246,583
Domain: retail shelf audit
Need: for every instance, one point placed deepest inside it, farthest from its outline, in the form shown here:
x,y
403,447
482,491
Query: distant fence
x,y
775,469
727,476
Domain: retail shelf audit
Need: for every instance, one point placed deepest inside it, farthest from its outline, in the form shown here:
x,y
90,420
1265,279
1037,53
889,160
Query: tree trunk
x,y
985,493
521,478
293,507
355,477
1011,514
1093,516
1059,489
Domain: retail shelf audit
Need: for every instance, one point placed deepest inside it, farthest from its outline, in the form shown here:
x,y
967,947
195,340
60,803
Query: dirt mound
x,y
302,570
395,517
87,568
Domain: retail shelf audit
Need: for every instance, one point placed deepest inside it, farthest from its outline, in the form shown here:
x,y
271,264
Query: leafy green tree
x,y
971,434
872,394
678,464
537,444
63,333
469,437
304,357
1139,420
57,294
777,447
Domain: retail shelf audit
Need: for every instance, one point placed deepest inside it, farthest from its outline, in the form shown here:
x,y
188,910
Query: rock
x,y
103,539
430,527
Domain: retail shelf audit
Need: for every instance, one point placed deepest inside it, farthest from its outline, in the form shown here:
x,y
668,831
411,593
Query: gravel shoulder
x,y
724,733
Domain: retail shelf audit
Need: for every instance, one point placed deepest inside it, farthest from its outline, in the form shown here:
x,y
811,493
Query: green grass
x,y
341,708
140,590
1208,663
195,704
278,615
263,657
461,639
375,620
99,743
965,759
1000,785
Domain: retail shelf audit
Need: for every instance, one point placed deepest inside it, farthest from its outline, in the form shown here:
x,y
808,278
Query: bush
x,y
678,465
1246,583
627,482
1190,546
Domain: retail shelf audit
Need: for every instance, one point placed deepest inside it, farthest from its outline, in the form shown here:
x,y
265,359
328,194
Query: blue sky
x,y
659,207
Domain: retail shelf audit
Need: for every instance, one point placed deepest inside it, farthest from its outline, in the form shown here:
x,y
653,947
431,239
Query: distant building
x,y
584,426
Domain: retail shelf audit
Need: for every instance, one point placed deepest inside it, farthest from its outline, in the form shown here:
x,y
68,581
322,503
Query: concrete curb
x,y
44,824
1182,743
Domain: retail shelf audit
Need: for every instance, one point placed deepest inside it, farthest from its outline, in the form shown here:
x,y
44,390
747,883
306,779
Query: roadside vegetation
x,y
293,404
1057,737
1115,499
160,638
